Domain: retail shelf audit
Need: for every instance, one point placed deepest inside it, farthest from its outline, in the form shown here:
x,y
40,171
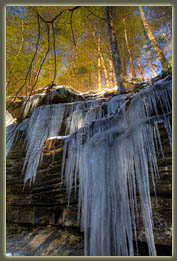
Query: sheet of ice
x,y
44,122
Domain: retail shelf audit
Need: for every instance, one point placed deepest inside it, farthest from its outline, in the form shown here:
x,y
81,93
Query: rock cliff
x,y
39,220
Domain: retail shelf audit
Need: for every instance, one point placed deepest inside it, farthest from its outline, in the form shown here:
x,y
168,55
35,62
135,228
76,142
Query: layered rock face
x,y
41,222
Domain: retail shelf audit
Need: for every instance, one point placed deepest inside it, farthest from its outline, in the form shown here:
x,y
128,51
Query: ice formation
x,y
110,157
9,118
31,103
110,147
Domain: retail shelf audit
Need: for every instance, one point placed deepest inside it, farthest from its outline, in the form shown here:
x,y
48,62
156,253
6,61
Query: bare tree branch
x,y
71,24
91,13
69,9
54,50
39,17
59,14
30,67
17,54
40,68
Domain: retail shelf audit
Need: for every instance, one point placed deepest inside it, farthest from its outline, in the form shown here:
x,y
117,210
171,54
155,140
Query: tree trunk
x,y
99,79
140,68
90,81
114,49
105,71
111,74
137,55
123,61
151,37
129,52
152,69
73,66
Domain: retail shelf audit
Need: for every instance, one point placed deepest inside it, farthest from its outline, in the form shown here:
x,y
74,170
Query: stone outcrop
x,y
41,222
57,95
63,94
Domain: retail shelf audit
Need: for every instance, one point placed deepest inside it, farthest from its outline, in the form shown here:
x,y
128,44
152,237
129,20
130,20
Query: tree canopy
x,y
70,45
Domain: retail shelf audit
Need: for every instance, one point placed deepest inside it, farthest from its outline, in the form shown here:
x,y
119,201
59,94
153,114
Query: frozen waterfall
x,y
110,147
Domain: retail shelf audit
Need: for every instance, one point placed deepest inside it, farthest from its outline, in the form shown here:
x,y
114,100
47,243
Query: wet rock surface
x,y
46,242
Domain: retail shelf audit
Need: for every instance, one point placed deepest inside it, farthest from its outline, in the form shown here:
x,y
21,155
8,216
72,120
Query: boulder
x,y
15,105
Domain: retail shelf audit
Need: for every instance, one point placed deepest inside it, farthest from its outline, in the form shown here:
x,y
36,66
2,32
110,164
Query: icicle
x,y
13,131
32,103
10,136
128,149
45,122
102,160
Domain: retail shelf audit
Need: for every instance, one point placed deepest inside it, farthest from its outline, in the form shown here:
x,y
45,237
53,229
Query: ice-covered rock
x,y
109,146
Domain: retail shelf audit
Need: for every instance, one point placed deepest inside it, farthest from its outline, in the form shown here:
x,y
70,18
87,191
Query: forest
x,y
89,130
71,46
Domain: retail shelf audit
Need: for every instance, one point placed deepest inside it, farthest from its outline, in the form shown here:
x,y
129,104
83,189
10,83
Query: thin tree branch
x,y
100,18
54,50
17,54
30,67
69,9
71,24
36,49
48,33
53,34
59,14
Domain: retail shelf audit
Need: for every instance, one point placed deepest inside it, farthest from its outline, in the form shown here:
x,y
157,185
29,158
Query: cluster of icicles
x,y
111,148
